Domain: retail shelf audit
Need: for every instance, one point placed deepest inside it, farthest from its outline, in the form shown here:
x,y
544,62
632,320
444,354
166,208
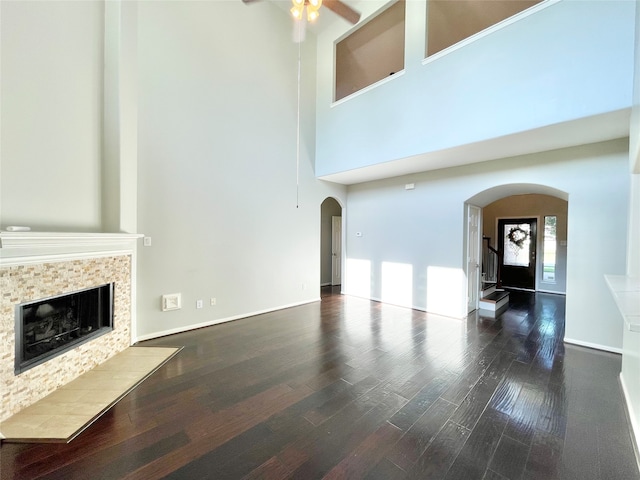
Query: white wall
x,y
51,114
633,260
217,163
416,236
634,161
634,131
120,122
530,74
630,375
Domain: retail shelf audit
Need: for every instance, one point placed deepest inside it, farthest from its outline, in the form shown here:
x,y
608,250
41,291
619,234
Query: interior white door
x,y
474,242
336,250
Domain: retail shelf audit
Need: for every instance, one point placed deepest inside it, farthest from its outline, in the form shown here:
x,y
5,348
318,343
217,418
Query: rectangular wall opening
x,y
451,21
371,53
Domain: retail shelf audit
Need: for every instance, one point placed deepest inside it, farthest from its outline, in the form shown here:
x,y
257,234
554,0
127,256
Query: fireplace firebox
x,y
50,326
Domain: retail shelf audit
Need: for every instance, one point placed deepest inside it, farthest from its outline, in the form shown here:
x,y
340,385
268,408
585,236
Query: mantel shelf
x,y
54,239
29,247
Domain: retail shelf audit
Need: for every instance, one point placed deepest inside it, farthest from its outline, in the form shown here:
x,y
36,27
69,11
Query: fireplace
x,y
41,267
50,326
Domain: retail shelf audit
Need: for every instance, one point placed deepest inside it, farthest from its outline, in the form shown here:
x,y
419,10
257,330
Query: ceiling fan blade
x,y
342,9
249,1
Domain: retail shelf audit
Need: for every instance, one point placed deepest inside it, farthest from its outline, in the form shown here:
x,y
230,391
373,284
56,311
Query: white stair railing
x,y
489,262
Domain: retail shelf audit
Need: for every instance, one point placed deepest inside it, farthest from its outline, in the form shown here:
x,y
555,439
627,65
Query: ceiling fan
x,y
312,7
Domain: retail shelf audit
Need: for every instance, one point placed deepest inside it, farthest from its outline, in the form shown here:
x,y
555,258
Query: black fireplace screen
x,y
50,326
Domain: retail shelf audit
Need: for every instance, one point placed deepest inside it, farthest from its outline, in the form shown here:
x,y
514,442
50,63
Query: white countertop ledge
x,y
626,293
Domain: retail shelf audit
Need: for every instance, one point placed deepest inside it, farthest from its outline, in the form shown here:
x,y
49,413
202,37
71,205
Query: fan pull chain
x,y
298,135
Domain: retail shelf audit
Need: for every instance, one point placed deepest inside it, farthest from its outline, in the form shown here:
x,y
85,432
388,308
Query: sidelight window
x,y
549,249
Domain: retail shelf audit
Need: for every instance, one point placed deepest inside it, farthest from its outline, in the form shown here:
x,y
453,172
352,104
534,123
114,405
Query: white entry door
x,y
474,242
336,250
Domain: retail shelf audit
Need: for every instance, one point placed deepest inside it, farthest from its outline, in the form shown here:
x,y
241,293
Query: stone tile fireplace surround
x,y
35,265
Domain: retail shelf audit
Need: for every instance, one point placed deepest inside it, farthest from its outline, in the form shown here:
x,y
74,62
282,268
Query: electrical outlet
x,y
213,301
199,304
146,241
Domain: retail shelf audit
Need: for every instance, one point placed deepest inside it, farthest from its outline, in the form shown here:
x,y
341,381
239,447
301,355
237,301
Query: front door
x,y
517,247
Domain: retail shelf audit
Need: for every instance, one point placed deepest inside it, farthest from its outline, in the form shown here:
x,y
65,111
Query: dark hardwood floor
x,y
347,388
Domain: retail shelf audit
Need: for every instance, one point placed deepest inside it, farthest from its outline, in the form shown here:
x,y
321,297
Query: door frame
x,y
474,242
325,257
336,253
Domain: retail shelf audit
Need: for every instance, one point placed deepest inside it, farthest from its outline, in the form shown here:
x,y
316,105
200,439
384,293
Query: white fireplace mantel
x,y
43,264
18,248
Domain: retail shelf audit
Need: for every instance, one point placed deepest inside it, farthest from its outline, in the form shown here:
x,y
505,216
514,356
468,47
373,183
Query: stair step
x,y
496,296
495,301
487,289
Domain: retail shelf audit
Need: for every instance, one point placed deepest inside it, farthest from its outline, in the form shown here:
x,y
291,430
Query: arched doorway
x,y
508,213
331,243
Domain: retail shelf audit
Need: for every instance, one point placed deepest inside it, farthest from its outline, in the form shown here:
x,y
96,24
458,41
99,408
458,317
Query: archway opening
x,y
331,240
523,234
530,233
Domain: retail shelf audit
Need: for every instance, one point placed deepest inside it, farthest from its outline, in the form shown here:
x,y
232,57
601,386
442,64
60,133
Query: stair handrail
x,y
491,265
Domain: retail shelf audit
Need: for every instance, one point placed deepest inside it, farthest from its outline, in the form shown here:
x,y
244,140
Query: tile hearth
x,y
69,410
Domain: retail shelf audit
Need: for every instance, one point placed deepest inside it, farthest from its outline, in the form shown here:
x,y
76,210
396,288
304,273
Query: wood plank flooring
x,y
351,389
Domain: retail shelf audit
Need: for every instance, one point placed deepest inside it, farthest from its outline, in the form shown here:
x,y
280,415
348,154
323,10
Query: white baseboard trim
x,y
210,323
595,346
507,287
631,414
325,284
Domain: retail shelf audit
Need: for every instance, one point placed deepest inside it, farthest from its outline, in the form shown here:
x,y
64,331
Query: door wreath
x,y
518,236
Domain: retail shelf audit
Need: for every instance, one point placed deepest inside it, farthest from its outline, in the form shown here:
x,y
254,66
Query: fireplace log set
x,y
50,326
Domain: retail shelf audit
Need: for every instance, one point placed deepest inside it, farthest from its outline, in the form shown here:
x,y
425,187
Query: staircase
x,y
493,300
